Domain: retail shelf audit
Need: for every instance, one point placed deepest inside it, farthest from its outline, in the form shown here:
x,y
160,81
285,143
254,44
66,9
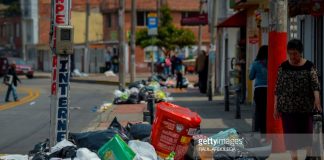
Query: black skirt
x,y
298,130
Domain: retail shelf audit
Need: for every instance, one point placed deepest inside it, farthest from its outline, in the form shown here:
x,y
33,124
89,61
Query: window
x,y
109,20
189,14
141,18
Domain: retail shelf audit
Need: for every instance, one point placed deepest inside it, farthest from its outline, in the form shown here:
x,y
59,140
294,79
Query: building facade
x,y
179,9
36,28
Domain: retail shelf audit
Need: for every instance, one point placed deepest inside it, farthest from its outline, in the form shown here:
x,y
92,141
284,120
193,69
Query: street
x,y
25,123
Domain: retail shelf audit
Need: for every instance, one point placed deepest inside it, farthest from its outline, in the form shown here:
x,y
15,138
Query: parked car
x,y
22,68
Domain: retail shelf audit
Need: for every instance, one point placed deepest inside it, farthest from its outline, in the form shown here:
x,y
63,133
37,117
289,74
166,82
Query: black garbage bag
x,y
118,100
117,126
137,84
139,131
162,77
133,98
41,156
66,152
40,149
96,139
143,93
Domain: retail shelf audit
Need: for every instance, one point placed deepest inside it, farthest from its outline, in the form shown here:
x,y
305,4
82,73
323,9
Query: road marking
x,y
32,94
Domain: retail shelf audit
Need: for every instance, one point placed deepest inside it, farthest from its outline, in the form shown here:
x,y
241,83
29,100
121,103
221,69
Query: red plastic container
x,y
173,129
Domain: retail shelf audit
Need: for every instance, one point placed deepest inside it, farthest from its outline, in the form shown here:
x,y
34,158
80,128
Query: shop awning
x,y
235,21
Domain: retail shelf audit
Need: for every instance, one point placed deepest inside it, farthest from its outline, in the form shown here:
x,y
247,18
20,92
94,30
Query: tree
x,y
169,37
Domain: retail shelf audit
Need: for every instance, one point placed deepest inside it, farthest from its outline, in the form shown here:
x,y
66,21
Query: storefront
x,y
256,34
310,30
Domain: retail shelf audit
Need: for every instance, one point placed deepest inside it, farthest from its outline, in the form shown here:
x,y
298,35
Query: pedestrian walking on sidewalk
x,y
202,70
115,63
296,98
12,82
259,72
179,79
167,65
108,60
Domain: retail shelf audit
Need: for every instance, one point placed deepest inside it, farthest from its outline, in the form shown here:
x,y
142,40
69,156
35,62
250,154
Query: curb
x,y
97,82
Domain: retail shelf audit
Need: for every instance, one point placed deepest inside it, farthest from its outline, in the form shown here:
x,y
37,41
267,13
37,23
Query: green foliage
x,y
169,37
13,9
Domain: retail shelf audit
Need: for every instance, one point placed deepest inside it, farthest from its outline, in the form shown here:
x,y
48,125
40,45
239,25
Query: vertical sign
x,y
152,24
60,76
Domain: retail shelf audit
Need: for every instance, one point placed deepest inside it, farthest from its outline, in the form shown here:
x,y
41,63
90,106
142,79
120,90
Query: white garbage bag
x,y
118,93
61,145
110,74
85,154
134,90
14,157
143,150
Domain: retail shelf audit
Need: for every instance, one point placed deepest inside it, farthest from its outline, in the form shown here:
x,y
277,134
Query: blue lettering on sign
x,y
63,101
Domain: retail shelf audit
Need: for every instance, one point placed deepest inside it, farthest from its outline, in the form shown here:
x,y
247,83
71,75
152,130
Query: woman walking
x,y
296,97
259,72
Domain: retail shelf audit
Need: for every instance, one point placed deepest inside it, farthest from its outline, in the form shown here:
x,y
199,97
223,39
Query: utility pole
x,y
200,28
277,54
121,40
133,46
86,41
61,44
212,52
158,9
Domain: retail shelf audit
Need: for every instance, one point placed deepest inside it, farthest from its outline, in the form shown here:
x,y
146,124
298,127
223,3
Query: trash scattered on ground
x,y
32,103
61,145
14,157
77,73
139,131
176,123
95,139
116,148
75,108
104,107
110,74
143,150
86,154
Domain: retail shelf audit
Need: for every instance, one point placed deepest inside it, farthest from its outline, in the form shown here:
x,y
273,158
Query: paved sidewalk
x,y
100,78
214,118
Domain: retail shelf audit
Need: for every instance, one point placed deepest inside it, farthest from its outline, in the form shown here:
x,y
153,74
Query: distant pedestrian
x,y
115,63
259,73
202,70
179,79
296,97
173,64
108,60
167,66
11,80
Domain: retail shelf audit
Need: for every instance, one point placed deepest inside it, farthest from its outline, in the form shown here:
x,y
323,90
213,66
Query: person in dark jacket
x,y
12,84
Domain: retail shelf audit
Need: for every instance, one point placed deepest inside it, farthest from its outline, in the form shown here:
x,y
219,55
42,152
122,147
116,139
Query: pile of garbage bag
x,y
140,91
174,135
169,82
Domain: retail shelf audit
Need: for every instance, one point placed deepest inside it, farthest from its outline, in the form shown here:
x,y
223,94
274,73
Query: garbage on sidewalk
x,y
173,129
77,73
143,150
116,148
110,74
14,157
139,91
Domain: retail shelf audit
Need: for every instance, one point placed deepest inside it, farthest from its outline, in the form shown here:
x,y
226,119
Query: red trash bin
x,y
173,129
